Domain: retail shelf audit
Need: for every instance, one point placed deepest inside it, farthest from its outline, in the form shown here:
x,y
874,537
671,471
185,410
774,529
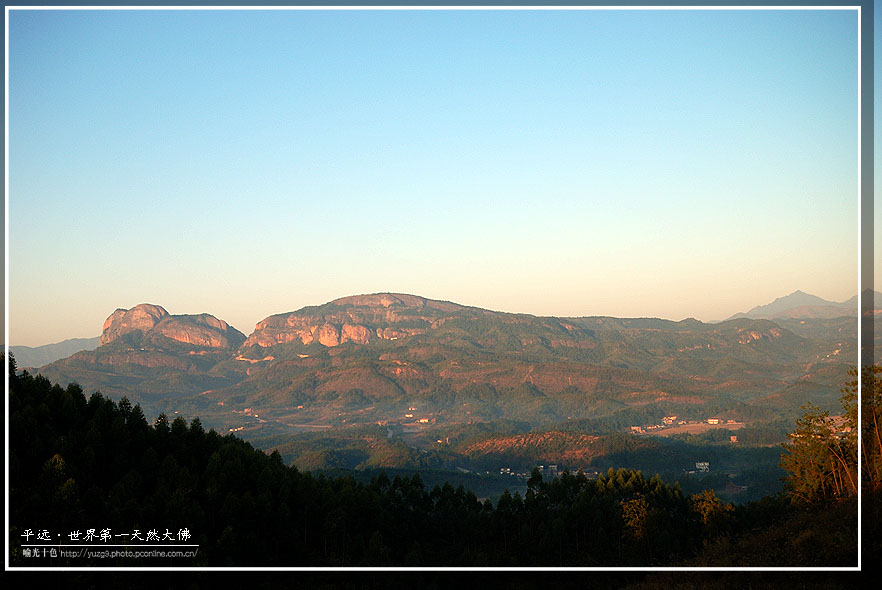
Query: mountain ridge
x,y
785,306
366,359
37,356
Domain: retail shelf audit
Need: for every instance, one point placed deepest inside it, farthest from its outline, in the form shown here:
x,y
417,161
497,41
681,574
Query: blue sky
x,y
631,163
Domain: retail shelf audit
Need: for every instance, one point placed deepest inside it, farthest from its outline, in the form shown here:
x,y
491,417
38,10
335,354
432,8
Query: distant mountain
x,y
804,305
876,299
399,359
37,356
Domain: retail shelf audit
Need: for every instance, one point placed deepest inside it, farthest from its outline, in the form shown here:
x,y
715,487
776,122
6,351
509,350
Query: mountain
x,y
415,363
142,321
37,356
152,357
803,305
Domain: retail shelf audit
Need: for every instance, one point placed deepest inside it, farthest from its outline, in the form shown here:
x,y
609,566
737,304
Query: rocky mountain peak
x,y
141,318
154,321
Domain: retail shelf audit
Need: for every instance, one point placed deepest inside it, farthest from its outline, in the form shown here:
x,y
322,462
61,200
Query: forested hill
x,y
82,462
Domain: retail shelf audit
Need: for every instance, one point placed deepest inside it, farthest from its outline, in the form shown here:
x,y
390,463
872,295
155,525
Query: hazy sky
x,y
630,163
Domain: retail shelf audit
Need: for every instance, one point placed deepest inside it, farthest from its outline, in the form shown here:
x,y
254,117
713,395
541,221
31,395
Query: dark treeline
x,y
80,463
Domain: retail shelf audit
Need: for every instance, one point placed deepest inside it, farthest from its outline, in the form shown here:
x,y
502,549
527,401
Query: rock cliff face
x,y
360,319
140,318
201,330
155,323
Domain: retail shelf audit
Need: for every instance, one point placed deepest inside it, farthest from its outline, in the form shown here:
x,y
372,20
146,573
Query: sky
x,y
665,164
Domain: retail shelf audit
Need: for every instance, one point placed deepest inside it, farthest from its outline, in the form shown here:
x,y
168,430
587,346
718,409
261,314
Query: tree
x,y
871,415
634,514
161,423
716,516
821,454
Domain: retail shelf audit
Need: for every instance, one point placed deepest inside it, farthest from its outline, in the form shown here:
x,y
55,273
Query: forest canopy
x,y
80,463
